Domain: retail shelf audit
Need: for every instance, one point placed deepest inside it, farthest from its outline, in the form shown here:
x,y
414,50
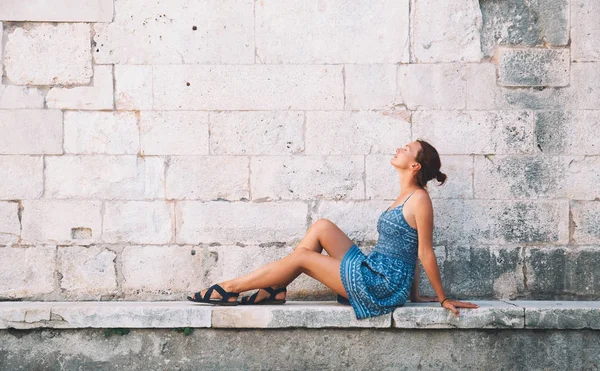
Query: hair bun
x,y
441,177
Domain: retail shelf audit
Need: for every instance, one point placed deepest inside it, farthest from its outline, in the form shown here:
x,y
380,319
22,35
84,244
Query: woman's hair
x,y
430,162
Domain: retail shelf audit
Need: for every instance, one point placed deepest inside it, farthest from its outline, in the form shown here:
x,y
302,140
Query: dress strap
x,y
408,197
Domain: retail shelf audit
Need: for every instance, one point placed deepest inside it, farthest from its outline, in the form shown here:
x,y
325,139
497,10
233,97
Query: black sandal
x,y
224,300
250,300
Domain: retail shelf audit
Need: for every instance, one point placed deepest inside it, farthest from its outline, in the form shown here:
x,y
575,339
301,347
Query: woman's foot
x,y
263,294
216,295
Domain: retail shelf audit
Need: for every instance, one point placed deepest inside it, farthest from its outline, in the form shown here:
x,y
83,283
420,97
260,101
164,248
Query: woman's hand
x,y
453,304
423,299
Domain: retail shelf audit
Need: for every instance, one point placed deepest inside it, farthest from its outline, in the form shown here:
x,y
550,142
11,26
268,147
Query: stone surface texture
x,y
152,148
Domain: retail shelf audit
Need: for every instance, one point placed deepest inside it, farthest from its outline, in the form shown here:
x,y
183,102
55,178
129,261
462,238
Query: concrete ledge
x,y
491,314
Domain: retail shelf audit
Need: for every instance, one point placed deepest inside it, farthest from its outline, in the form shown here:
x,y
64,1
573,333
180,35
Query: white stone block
x,y
176,273
174,133
431,86
96,97
585,31
15,97
87,272
10,227
568,132
254,87
342,31
489,314
133,87
26,272
31,132
358,220
231,222
46,54
343,133
57,10
104,177
101,132
307,177
61,222
308,314
22,177
147,222
476,132
256,133
447,31
208,178
177,32
369,86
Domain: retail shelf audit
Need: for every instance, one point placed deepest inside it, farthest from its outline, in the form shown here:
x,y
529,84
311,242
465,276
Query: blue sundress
x,y
379,282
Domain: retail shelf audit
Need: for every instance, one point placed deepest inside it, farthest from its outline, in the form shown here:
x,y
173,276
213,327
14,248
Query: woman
x,y
372,284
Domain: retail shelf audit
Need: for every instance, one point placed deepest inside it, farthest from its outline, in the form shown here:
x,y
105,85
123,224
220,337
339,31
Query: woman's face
x,y
406,156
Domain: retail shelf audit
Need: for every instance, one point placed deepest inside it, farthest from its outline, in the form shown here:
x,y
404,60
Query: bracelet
x,y
442,303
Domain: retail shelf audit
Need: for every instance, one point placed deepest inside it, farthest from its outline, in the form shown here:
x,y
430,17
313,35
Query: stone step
x,y
491,314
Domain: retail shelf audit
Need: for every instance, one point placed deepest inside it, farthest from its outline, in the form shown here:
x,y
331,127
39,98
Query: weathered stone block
x,y
176,270
343,133
31,132
22,177
431,86
567,132
231,222
490,314
560,272
133,87
369,86
439,37
500,221
149,222
45,54
285,177
99,96
58,221
208,178
540,314
293,314
475,132
87,272
177,32
382,178
585,28
104,176
57,10
10,226
480,272
527,23
586,220
256,133
174,133
533,67
254,87
332,32
101,133
26,272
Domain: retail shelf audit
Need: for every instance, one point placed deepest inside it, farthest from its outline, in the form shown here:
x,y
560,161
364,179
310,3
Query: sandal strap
x,y
224,294
273,292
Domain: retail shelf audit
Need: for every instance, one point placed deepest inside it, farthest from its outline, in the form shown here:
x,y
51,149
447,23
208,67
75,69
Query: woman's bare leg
x,y
306,258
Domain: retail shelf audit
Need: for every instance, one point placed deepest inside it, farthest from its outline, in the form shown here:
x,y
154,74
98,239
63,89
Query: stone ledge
x,y
491,314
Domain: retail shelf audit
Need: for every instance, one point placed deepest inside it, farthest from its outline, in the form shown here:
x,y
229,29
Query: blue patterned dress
x,y
379,282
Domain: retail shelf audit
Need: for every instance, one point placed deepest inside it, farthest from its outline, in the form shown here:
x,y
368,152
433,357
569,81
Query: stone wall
x,y
149,149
